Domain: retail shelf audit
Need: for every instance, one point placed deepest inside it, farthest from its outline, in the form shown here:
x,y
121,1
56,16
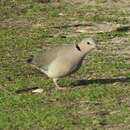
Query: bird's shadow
x,y
84,82
101,81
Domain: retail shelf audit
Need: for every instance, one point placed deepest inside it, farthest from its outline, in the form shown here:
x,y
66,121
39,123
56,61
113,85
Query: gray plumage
x,y
63,60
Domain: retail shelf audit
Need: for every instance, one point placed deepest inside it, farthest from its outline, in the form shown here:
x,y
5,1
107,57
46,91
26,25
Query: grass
x,y
98,95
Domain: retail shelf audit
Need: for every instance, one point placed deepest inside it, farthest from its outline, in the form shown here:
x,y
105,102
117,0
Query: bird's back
x,y
44,59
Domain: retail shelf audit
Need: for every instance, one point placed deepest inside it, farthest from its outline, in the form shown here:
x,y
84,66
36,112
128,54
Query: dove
x,y
63,60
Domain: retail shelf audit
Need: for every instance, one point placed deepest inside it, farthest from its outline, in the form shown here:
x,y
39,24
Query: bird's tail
x,y
29,60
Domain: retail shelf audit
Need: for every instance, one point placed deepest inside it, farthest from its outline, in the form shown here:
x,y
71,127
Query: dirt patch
x,y
11,23
96,28
97,2
117,127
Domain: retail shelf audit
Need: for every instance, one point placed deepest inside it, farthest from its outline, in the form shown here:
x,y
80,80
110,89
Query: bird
x,y
62,60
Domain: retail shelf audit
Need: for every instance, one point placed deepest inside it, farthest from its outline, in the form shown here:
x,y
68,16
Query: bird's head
x,y
86,45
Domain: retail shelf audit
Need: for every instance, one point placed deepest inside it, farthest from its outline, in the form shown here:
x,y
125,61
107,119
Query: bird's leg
x,y
56,84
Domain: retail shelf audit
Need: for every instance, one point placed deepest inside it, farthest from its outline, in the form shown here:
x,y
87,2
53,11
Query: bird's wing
x,y
45,58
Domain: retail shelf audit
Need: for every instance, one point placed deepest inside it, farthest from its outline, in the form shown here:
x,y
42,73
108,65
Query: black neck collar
x,y
77,47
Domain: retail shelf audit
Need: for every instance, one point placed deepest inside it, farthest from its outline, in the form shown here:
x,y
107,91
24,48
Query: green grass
x,y
100,103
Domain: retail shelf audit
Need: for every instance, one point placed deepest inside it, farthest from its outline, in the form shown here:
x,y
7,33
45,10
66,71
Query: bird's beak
x,y
95,47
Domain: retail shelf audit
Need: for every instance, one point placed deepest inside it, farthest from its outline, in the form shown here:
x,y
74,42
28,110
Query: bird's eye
x,y
88,43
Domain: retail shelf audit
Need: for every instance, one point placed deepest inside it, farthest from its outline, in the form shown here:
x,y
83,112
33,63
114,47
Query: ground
x,y
98,95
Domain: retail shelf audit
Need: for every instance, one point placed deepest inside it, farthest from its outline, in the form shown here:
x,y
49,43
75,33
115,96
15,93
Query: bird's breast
x,y
63,66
